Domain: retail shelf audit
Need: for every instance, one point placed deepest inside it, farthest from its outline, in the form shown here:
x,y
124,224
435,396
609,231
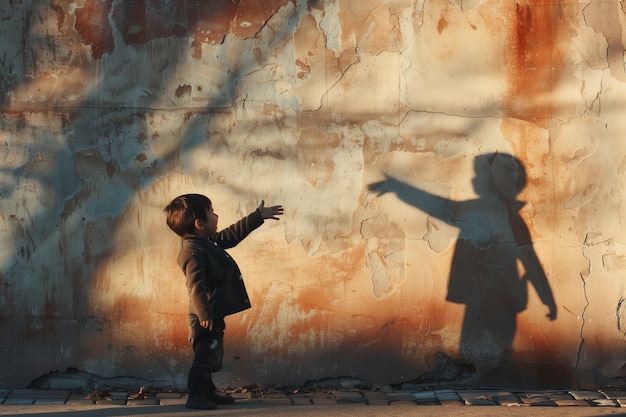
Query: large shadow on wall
x,y
493,262
90,170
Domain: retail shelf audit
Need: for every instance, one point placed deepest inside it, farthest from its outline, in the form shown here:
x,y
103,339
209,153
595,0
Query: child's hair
x,y
183,211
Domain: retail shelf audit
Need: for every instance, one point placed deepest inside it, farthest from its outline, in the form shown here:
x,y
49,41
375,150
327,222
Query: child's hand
x,y
207,324
270,212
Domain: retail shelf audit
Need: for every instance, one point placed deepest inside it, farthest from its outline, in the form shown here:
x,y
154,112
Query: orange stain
x,y
536,58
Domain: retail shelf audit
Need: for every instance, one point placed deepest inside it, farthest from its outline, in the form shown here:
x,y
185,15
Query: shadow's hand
x,y
552,313
381,187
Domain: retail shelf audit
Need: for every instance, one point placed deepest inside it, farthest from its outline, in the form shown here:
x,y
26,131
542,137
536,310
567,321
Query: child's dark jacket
x,y
213,279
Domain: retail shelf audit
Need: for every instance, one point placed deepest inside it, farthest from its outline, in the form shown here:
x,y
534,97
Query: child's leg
x,y
208,348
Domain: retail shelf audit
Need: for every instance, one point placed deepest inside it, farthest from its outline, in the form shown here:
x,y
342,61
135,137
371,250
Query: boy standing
x,y
214,283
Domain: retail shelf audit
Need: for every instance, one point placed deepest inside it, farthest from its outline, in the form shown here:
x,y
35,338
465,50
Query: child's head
x,y
183,211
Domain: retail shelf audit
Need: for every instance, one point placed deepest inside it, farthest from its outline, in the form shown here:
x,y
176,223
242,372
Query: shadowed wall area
x,y
452,174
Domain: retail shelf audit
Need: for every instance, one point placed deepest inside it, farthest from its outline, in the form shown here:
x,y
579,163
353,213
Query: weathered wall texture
x,y
110,108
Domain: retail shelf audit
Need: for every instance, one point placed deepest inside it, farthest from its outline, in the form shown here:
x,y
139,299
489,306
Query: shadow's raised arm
x,y
431,204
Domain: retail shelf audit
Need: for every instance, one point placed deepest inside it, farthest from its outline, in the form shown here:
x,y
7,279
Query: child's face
x,y
208,227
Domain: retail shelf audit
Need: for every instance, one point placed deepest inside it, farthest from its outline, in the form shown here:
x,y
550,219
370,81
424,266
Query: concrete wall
x,y
110,108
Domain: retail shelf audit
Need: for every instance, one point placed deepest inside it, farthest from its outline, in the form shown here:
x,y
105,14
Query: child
x,y
214,283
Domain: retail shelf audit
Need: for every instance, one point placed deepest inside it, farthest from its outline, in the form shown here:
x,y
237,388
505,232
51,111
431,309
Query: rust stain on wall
x,y
183,90
93,26
252,15
145,20
539,28
207,22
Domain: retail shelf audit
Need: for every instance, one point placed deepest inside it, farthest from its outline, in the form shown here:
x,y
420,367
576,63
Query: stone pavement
x,y
380,397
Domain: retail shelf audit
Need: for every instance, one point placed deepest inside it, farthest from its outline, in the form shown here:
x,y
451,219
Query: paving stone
x,y
172,401
400,396
249,401
79,400
402,403
275,401
324,401
614,394
477,398
300,399
605,402
376,398
508,401
443,393
539,401
504,398
349,397
448,396
34,393
425,397
351,400
571,403
377,401
58,401
78,395
110,401
143,402
374,394
452,403
557,396
479,401
169,395
19,401
587,395
347,394
276,394
535,397
118,395
240,395
54,394
383,388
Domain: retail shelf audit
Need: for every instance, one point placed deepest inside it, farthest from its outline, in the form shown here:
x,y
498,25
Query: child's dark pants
x,y
208,349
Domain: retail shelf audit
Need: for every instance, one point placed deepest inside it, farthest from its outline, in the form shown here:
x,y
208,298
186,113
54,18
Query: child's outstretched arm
x,y
233,234
270,212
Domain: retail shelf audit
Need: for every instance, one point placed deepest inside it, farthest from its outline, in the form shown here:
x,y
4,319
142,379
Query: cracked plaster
x,y
111,108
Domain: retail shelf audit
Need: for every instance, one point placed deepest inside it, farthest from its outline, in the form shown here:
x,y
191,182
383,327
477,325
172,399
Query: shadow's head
x,y
499,172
